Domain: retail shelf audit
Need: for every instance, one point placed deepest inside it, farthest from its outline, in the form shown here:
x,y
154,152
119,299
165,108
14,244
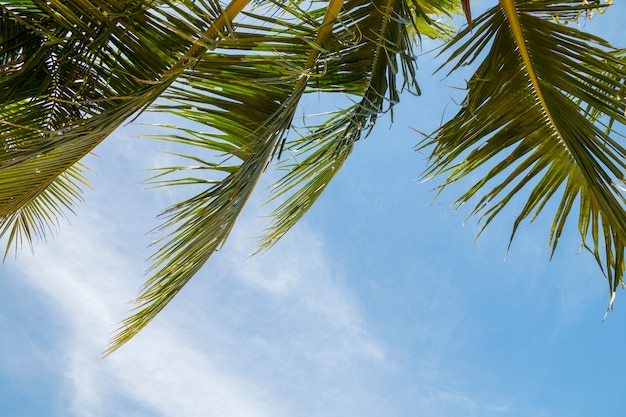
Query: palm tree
x,y
542,111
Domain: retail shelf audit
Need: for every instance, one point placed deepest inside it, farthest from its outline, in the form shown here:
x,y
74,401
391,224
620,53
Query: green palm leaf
x,y
242,97
368,67
96,64
542,114
250,108
84,86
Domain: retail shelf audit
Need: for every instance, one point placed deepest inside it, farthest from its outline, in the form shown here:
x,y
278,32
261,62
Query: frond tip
x,y
542,117
250,118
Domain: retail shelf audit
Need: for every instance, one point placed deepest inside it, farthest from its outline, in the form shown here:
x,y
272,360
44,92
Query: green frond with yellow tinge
x,y
544,117
543,114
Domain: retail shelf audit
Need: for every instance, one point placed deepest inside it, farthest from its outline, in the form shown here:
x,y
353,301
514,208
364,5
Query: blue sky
x,y
378,303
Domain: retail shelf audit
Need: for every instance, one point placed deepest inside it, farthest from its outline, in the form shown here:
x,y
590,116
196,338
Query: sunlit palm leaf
x,y
249,100
368,67
101,63
541,115
242,97
42,214
67,82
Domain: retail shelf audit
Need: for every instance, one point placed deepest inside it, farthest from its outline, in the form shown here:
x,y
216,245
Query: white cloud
x,y
275,335
251,338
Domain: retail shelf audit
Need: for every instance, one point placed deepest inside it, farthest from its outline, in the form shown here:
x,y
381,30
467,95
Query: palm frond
x,y
42,215
241,98
544,116
249,109
96,65
367,68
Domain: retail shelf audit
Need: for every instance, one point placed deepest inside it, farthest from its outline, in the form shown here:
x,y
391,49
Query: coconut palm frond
x,y
244,93
42,215
241,98
433,18
74,71
367,68
543,115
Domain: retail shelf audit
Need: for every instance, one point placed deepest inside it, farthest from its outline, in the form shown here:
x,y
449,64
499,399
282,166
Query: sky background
x,y
379,303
